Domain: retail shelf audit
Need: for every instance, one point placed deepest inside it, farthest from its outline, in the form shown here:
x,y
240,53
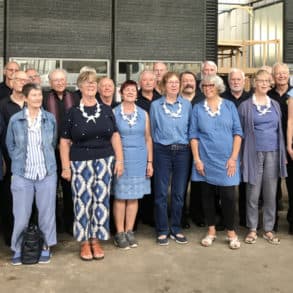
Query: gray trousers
x,y
267,180
23,193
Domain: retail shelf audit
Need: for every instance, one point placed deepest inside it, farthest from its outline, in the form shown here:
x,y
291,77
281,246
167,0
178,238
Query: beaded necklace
x,y
267,107
208,109
176,114
131,119
90,117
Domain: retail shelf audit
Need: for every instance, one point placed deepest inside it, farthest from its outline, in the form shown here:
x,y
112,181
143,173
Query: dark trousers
x,y
289,184
195,204
242,204
146,207
227,198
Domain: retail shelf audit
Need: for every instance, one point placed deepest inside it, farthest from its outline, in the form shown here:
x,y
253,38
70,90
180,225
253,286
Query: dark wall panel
x,y
54,28
288,31
1,28
162,29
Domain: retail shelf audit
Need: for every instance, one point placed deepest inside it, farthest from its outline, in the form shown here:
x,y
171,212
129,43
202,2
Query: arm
x,y
290,127
199,166
64,155
149,145
117,146
232,161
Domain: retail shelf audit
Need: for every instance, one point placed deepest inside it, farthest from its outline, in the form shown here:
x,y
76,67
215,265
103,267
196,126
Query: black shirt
x,y
145,103
8,108
237,101
5,91
90,140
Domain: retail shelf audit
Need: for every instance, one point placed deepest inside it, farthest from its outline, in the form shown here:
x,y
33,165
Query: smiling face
x,y
188,84
19,80
262,83
281,75
106,88
89,88
58,81
129,93
34,99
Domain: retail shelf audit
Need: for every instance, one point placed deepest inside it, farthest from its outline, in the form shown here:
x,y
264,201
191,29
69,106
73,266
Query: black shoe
x,y
184,223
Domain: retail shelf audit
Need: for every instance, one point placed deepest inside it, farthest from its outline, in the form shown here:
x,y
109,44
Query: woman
x,y
134,128
263,156
88,143
170,117
215,135
31,140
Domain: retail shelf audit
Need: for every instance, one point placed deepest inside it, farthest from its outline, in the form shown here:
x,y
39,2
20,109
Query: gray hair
x,y
236,70
216,80
57,70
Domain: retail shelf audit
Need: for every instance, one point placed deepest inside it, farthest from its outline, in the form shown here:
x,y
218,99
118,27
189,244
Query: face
x,y
10,69
209,69
147,81
172,85
129,93
34,99
89,88
188,84
106,88
33,76
160,69
281,75
19,80
209,90
58,81
262,83
236,82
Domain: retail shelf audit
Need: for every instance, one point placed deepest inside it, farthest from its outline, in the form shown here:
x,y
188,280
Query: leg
x,y
242,204
23,196
196,206
45,201
131,211
252,195
119,214
162,166
208,201
67,205
289,184
270,182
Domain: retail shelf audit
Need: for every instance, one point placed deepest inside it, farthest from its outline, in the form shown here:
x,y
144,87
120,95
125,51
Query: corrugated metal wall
x,y
288,32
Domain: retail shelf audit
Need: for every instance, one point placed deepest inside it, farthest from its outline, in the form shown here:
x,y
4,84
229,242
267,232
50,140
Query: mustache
x,y
189,86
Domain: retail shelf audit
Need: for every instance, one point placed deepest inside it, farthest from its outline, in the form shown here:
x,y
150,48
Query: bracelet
x,y
66,169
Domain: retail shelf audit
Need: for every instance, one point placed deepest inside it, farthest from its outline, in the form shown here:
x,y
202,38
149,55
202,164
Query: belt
x,y
178,147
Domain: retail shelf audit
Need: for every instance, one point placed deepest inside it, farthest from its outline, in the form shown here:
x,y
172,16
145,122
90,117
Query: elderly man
x,y
209,68
6,86
281,92
8,107
58,101
106,89
33,76
237,94
160,69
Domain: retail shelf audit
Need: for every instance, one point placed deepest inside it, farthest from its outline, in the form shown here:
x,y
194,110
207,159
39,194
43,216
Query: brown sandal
x,y
85,251
98,252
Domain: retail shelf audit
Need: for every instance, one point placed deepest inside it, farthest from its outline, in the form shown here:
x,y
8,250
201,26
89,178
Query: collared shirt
x,y
35,168
167,129
145,103
237,101
5,91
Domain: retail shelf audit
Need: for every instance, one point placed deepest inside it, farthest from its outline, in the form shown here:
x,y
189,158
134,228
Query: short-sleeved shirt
x,y
90,140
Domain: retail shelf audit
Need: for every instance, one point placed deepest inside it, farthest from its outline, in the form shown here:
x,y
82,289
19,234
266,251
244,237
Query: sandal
x,y
234,242
97,250
208,240
251,237
85,251
271,238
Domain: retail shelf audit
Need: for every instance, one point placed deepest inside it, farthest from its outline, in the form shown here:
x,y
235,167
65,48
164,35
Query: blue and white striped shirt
x,y
35,168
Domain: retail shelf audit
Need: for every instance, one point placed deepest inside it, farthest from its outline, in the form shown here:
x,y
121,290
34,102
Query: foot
x,y
131,239
16,259
97,250
208,240
179,238
251,237
85,251
45,256
121,241
234,242
271,238
163,240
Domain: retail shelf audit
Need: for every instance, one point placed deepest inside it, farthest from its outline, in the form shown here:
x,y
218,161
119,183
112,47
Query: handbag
x,y
32,244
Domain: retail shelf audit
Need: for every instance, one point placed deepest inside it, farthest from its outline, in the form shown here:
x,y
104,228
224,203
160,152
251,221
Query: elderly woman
x,y
170,117
31,139
89,142
215,135
263,157
134,128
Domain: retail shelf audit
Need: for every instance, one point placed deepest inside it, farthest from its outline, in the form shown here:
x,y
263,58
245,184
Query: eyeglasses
x,y
175,82
263,81
12,69
24,80
208,85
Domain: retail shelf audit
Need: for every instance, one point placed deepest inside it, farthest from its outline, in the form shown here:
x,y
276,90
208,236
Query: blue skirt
x,y
131,187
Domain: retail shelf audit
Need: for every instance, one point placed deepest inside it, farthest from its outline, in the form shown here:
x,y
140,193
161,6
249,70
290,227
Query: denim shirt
x,y
17,140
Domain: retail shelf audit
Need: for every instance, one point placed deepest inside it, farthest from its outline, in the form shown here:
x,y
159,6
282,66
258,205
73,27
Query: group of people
x,y
166,132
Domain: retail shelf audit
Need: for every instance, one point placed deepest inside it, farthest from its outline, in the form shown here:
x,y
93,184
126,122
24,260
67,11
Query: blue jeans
x,y
170,161
24,191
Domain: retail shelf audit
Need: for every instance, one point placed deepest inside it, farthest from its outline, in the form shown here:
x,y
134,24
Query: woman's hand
x,y
149,169
118,168
231,167
199,167
66,174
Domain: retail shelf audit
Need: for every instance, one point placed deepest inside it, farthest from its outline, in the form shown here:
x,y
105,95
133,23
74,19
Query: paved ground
x,y
153,269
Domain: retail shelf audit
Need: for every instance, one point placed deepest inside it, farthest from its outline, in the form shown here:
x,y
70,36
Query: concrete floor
x,y
151,268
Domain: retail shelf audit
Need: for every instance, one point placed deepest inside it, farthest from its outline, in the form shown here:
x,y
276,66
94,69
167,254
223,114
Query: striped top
x,y
35,168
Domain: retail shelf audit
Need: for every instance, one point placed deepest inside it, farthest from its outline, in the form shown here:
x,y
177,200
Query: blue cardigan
x,y
248,150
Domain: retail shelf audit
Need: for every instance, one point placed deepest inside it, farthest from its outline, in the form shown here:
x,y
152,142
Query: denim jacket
x,y
17,136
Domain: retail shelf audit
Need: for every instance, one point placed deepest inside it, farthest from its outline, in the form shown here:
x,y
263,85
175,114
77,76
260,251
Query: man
x,y
8,107
188,91
33,76
106,89
209,68
147,92
146,95
6,86
237,94
280,94
58,101
160,69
